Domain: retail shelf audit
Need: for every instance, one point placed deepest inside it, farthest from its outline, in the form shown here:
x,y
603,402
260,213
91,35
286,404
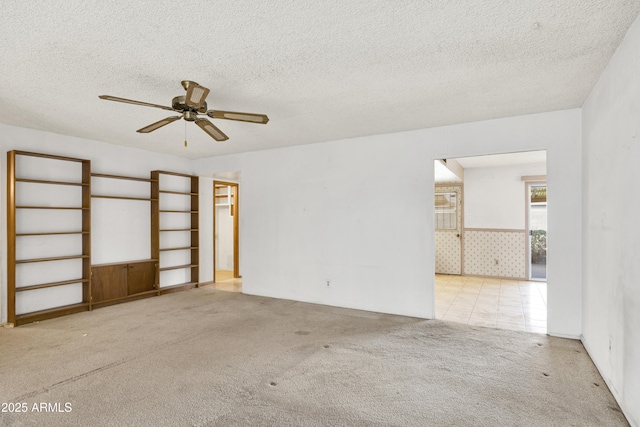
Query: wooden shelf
x,y
128,178
179,267
147,199
123,177
184,175
59,258
177,288
140,261
131,297
128,297
51,233
183,193
192,184
21,319
46,181
179,249
134,297
179,285
15,175
48,156
69,208
50,285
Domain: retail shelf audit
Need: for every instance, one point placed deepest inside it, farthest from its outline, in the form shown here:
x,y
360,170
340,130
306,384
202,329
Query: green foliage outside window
x,y
538,246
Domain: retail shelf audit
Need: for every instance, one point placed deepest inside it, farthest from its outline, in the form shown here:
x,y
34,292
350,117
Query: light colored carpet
x,y
211,358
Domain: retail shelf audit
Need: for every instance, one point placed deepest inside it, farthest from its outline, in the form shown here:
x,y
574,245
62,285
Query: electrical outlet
x,y
328,283
496,260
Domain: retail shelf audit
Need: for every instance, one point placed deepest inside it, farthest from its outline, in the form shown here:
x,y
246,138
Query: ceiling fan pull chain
x,y
185,134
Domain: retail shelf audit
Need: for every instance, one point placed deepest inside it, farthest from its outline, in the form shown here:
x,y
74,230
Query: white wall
x,y
224,243
107,245
318,213
121,224
494,197
611,261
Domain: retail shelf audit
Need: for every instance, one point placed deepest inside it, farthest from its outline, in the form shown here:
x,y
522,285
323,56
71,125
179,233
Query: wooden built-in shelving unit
x,y
15,239
69,240
113,283
190,209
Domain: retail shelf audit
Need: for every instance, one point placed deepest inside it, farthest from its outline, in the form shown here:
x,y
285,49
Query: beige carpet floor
x,y
210,358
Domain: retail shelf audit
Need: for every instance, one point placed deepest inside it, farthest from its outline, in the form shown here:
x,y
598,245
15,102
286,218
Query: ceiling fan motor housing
x,y
190,116
179,103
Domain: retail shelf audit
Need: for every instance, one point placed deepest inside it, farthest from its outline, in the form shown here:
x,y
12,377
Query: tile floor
x,y
226,281
494,303
229,285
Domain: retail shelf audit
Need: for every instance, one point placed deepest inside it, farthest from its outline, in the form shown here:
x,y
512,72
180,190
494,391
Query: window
x,y
445,211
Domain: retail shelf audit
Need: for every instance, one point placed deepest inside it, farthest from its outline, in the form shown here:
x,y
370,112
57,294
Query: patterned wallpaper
x,y
483,247
447,253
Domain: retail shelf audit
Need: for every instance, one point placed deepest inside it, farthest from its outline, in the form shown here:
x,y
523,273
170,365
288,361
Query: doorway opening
x,y
501,202
226,251
537,230
448,219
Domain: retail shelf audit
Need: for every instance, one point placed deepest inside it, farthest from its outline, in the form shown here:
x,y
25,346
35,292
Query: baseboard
x,y
493,277
567,336
612,389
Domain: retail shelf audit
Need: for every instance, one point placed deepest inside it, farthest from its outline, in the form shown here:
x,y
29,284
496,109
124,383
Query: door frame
x,y
235,206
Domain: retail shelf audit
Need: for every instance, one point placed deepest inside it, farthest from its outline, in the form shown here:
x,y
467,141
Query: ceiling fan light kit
x,y
196,94
191,105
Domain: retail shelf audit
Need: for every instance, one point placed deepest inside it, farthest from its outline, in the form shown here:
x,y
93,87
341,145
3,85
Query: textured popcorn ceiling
x,y
322,71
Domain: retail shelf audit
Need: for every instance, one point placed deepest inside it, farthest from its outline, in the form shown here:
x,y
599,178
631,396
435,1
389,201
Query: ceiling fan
x,y
190,106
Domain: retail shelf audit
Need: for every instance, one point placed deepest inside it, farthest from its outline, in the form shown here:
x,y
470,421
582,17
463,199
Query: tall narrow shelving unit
x,y
125,280
161,225
60,290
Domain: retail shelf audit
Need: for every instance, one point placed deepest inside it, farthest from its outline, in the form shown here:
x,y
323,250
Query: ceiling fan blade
x,y
158,124
241,117
211,129
131,101
196,95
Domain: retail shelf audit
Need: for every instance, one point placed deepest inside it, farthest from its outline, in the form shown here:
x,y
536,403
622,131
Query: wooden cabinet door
x,y
141,277
108,282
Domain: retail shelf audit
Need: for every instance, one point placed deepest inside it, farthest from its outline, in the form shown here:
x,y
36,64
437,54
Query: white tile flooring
x,y
494,303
